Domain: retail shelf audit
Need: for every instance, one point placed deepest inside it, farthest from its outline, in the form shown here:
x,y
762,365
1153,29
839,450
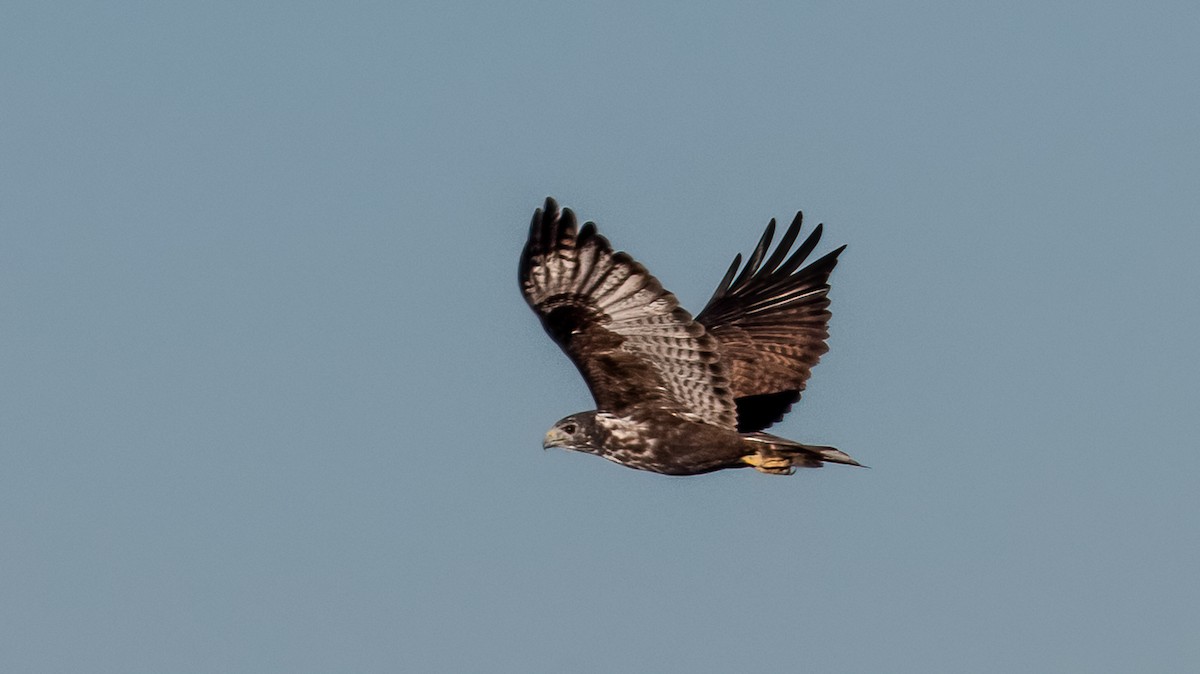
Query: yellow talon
x,y
772,465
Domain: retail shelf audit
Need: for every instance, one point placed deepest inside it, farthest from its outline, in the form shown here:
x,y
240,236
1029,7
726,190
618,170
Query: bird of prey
x,y
676,394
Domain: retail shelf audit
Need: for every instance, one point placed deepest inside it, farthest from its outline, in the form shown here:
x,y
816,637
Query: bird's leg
x,y
773,465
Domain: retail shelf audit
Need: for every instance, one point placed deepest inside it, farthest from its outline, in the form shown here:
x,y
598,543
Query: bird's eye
x,y
569,429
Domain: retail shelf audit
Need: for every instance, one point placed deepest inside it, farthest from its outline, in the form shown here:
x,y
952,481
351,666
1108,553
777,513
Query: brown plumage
x,y
771,323
674,394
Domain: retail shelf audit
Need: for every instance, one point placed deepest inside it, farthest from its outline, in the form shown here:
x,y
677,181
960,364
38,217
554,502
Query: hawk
x,y
676,394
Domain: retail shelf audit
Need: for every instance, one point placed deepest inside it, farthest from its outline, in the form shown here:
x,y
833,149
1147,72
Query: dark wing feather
x,y
632,342
772,323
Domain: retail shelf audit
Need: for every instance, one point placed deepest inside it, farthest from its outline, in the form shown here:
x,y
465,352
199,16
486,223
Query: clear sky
x,y
270,400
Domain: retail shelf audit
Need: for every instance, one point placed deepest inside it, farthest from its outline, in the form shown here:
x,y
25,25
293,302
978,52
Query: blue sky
x,y
272,402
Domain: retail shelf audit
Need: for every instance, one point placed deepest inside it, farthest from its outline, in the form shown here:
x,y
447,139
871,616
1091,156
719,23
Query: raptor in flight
x,y
676,394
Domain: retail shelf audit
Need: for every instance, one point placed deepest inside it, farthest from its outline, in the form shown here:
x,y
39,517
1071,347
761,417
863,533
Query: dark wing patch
x,y
772,323
632,342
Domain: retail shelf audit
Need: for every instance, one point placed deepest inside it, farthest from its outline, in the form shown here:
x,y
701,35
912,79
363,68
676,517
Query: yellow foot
x,y
774,465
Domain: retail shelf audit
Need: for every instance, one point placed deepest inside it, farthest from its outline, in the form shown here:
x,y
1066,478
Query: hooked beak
x,y
555,438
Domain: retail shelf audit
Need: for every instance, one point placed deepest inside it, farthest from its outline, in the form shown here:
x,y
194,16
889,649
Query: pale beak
x,y
555,438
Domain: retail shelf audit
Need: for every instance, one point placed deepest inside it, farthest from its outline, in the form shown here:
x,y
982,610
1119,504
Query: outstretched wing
x,y
633,343
772,323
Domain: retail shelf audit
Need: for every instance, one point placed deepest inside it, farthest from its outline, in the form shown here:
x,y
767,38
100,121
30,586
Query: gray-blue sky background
x,y
272,402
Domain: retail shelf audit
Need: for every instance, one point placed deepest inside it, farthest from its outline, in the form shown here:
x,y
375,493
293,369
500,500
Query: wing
x,y
633,343
772,323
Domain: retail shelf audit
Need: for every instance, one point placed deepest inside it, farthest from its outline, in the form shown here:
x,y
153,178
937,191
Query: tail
x,y
773,454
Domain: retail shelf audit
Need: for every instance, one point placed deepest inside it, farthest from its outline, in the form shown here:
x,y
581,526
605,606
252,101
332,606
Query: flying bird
x,y
676,394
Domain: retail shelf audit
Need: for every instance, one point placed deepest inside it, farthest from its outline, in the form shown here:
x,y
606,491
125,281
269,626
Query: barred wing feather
x,y
629,338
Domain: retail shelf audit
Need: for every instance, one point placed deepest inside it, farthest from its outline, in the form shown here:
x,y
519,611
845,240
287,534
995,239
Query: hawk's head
x,y
577,432
619,439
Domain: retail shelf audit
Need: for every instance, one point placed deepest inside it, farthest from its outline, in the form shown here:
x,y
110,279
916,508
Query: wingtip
x,y
586,233
756,256
568,225
833,254
542,218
